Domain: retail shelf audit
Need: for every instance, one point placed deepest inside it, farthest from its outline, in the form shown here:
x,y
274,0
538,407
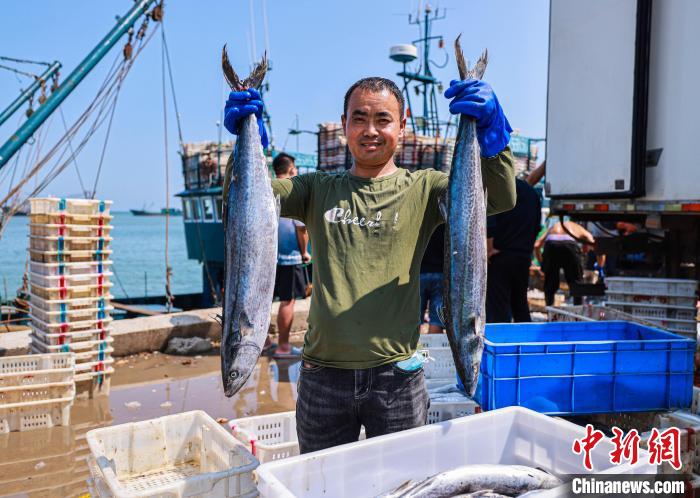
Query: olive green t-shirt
x,y
368,236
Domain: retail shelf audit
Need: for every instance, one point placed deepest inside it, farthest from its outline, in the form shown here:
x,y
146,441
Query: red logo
x,y
586,444
665,447
627,446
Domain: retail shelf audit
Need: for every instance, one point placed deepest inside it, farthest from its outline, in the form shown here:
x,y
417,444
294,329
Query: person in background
x,y
558,248
292,254
510,240
431,277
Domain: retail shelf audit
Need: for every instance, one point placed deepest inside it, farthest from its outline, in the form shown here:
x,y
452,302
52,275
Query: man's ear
x,y
402,129
344,121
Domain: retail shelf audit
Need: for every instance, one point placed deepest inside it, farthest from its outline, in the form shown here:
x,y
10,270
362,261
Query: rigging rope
x,y
17,71
168,268
24,61
75,162
103,99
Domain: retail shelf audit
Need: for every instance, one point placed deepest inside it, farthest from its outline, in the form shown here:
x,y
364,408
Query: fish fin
x,y
397,492
254,80
477,72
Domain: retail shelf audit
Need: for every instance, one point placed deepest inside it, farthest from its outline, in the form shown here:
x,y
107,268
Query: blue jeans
x,y
334,403
431,295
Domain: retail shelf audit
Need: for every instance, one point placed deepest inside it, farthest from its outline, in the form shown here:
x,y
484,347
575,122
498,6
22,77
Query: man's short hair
x,y
375,84
282,163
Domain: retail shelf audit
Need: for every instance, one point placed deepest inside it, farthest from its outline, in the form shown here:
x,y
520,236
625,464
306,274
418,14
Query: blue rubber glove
x,y
476,98
242,104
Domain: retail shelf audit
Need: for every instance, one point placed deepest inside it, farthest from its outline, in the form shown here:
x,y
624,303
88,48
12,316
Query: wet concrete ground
x,y
51,462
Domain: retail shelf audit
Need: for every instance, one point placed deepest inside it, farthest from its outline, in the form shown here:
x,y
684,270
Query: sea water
x,y
138,247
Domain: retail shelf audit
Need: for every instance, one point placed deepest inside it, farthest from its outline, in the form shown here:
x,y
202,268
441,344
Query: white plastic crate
x,y
270,437
187,454
433,341
655,312
64,293
38,243
79,315
57,328
70,230
27,370
69,256
651,286
35,406
652,299
513,435
440,364
77,347
70,304
70,219
440,411
72,337
52,205
69,269
70,280
590,313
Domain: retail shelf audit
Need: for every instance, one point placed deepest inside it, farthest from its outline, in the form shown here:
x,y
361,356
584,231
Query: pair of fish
x,y
478,481
250,228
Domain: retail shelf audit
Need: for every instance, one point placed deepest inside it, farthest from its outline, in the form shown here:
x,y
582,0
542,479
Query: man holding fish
x,y
369,228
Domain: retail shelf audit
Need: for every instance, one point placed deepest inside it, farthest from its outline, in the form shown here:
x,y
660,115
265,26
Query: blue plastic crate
x,y
586,367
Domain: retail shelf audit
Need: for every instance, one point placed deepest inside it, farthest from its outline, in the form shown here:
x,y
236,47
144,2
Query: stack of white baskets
x,y
69,246
667,303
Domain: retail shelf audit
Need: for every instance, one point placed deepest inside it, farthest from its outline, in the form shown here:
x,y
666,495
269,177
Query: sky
x,y
318,48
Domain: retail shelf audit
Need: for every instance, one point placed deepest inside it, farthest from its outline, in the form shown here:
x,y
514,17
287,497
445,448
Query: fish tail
x,y
477,72
254,80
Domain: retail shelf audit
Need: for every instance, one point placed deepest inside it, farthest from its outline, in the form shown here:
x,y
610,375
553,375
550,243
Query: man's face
x,y
373,126
293,171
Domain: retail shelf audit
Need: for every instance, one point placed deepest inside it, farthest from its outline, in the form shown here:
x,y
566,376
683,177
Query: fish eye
x,y
233,374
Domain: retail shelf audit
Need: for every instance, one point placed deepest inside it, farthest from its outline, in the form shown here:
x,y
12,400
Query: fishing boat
x,y
162,212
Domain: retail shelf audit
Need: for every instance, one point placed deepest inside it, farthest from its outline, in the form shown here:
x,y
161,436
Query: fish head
x,y
237,365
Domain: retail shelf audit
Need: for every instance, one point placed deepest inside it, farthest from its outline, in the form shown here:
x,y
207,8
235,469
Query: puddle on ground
x,y
52,462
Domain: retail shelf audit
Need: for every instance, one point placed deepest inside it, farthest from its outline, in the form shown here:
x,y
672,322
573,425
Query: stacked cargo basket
x,y
667,303
69,247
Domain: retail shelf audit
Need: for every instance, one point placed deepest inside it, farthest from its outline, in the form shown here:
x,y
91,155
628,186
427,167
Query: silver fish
x,y
509,480
464,210
251,217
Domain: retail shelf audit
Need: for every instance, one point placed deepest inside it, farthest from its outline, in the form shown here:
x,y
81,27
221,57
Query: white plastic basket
x,y
651,286
77,347
440,364
51,205
69,269
69,256
513,435
35,406
589,313
270,437
27,370
79,315
72,337
69,304
187,454
38,243
65,293
69,219
70,230
70,280
57,328
652,299
433,341
440,411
